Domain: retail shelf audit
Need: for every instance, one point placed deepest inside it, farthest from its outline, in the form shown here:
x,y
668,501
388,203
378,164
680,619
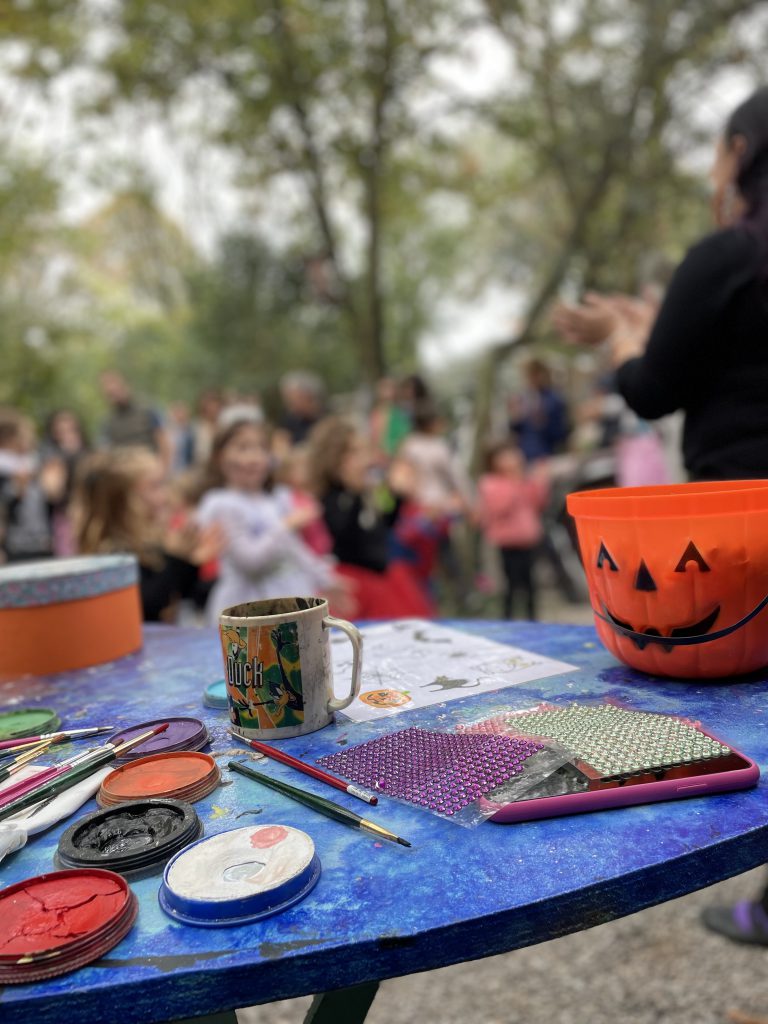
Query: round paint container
x,y
57,922
181,734
240,876
133,839
72,612
27,722
179,775
215,695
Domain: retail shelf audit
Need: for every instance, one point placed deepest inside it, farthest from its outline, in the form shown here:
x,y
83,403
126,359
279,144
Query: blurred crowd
x,y
378,510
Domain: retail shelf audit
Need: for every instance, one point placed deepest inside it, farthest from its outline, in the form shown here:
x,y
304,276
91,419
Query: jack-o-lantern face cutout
x,y
677,585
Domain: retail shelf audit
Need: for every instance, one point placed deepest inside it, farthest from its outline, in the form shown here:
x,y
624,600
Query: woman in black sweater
x,y
706,351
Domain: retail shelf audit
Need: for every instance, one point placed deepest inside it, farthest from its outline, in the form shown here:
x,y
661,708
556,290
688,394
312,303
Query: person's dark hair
x,y
539,373
425,416
50,425
494,450
414,388
750,121
11,422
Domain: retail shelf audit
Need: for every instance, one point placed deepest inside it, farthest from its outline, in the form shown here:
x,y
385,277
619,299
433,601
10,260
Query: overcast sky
x,y
196,183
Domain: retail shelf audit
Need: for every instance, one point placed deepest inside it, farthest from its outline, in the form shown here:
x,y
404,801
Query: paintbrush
x,y
74,772
318,803
307,769
11,793
18,762
55,737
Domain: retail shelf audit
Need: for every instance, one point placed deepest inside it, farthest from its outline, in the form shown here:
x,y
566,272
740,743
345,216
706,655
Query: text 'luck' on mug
x,y
277,663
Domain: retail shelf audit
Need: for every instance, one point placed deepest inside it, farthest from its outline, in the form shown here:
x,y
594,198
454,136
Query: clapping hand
x,y
193,543
623,321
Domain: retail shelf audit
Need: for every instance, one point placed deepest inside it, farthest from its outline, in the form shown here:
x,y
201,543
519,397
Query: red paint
x,y
269,836
54,910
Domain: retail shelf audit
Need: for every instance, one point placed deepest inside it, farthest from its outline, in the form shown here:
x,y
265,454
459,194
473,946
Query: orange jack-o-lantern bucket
x,y
678,575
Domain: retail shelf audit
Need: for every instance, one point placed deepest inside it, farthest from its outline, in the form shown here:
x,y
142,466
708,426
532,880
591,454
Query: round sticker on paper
x,y
385,698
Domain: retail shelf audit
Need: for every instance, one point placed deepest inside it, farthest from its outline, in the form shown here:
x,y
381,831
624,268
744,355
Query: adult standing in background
x,y
130,424
538,417
209,407
303,397
706,352
540,426
64,446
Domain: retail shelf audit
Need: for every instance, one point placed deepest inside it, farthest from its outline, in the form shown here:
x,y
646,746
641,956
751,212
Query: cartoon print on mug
x,y
264,676
239,671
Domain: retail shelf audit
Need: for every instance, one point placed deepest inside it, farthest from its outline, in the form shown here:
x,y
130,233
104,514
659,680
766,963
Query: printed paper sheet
x,y
414,663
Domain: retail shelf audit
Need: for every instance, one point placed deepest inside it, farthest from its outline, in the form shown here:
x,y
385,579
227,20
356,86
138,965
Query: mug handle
x,y
354,634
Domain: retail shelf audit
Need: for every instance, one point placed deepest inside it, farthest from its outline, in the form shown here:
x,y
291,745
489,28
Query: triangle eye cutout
x,y
691,554
644,580
604,556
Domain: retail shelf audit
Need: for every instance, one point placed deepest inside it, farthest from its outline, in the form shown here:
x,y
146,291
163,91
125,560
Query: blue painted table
x,y
381,910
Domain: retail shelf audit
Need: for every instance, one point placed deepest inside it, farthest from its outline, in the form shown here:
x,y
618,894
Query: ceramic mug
x,y
277,665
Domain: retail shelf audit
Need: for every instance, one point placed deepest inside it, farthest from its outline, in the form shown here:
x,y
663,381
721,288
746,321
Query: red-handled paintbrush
x,y
307,769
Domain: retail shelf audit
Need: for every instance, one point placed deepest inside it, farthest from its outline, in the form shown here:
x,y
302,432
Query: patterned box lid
x,y
28,584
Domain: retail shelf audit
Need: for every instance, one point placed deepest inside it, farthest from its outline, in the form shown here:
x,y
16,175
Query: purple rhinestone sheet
x,y
441,771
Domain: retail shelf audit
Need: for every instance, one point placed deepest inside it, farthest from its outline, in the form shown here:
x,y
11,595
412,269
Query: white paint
x,y
229,867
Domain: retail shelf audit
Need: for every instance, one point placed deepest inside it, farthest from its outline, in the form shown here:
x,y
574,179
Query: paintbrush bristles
x,y
130,744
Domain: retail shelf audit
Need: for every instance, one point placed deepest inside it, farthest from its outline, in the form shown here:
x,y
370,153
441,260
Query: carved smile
x,y
681,636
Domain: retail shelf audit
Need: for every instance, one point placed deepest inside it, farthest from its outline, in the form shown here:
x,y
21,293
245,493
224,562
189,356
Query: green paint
x,y
27,722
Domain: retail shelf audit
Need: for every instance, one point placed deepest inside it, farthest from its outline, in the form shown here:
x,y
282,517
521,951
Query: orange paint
x,y
160,775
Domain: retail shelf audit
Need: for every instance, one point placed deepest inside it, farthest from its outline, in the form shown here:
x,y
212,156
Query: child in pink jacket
x,y
509,514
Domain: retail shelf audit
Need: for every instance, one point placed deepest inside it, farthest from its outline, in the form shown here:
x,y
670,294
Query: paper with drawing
x,y
413,663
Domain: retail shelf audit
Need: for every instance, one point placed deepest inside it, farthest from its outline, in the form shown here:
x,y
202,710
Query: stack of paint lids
x,y
21,722
60,921
181,734
215,695
239,876
135,839
180,775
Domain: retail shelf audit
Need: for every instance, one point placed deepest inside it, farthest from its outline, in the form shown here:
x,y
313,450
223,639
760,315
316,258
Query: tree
x,y
316,96
600,105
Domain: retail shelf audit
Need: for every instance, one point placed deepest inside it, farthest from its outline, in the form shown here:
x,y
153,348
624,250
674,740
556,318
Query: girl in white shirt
x,y
263,554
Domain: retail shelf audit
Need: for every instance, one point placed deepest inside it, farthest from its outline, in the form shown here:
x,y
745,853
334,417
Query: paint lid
x,y
51,581
132,838
215,695
181,734
22,722
240,876
179,775
60,921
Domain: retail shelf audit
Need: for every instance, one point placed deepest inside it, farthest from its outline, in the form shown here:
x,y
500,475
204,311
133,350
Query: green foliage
x,y
251,320
570,175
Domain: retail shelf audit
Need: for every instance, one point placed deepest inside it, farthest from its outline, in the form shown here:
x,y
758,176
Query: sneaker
x,y
742,922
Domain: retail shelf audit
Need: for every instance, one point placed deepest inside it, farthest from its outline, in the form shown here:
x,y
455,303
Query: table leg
x,y
344,1006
